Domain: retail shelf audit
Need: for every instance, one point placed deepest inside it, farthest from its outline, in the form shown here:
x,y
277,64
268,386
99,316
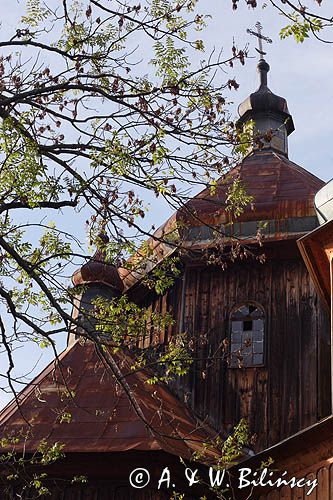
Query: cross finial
x,y
260,37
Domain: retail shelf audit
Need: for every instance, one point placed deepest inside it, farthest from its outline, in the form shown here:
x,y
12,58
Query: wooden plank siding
x,y
291,390
102,490
323,490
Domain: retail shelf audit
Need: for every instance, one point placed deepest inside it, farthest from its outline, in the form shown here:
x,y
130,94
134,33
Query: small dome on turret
x,y
100,278
98,271
268,111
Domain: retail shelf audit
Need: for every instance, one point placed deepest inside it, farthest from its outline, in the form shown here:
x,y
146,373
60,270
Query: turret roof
x,y
103,419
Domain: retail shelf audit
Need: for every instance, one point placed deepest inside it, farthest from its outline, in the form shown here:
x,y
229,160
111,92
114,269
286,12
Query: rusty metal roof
x,y
102,417
283,202
96,270
280,189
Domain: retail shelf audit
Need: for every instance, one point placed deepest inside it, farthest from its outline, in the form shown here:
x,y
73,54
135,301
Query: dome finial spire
x,y
263,66
269,112
260,37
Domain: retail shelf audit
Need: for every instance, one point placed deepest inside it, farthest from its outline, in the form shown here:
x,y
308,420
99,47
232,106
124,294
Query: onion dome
x,y
269,113
98,271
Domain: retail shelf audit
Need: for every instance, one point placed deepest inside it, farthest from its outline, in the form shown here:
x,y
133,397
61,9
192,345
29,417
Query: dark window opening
x,y
247,325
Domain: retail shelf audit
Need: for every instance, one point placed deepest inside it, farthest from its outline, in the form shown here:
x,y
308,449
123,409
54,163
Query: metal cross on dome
x,y
260,37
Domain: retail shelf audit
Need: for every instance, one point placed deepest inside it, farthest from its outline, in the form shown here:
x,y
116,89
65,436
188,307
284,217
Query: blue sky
x,y
302,73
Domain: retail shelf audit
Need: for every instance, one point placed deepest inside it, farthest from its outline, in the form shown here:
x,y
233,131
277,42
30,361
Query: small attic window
x,y
247,336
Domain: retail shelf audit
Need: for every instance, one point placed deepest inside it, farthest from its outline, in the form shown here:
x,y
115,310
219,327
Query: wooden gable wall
x,y
292,390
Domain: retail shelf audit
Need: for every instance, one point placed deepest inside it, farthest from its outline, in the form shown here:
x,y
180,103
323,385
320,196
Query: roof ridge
x,y
299,168
12,405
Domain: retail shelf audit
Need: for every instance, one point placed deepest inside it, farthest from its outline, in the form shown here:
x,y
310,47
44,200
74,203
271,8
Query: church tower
x,y
266,311
96,278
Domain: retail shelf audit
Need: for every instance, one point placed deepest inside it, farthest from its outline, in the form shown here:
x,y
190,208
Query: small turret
x,y
96,278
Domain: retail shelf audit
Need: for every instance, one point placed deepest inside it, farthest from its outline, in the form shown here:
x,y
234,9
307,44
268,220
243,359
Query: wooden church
x,y
271,314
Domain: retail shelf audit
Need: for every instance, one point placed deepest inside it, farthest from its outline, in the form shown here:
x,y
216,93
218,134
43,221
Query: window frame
x,y
232,365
